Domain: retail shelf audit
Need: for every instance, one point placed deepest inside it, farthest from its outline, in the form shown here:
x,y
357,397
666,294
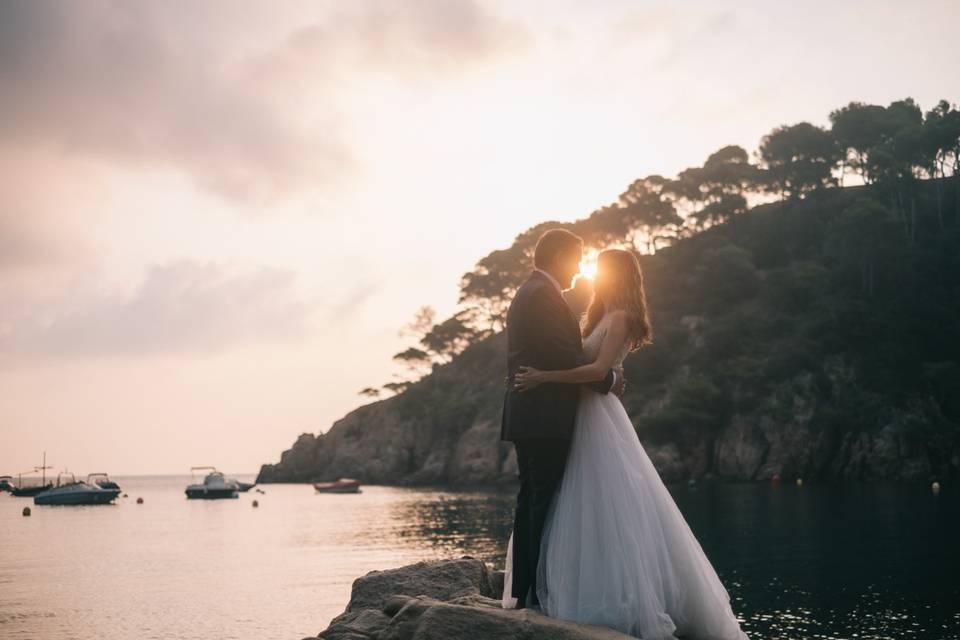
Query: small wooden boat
x,y
19,490
343,485
29,491
214,487
243,487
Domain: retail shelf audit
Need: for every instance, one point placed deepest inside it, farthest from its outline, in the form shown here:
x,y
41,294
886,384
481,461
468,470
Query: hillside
x,y
803,338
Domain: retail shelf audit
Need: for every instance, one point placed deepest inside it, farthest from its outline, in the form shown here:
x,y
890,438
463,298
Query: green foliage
x,y
752,299
695,403
726,276
798,159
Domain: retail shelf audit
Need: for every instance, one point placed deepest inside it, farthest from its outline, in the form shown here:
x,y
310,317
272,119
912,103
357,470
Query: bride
x,y
616,550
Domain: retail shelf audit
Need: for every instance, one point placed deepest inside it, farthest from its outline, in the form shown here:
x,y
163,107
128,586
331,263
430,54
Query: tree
x,y
941,128
724,178
370,392
417,361
449,338
423,321
398,387
647,207
797,159
856,128
861,236
489,288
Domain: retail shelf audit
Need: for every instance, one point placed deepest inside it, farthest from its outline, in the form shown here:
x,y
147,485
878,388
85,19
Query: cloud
x,y
413,41
181,306
42,222
174,85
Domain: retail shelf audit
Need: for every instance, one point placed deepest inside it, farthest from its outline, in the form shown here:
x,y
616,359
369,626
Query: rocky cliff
x,y
770,357
447,433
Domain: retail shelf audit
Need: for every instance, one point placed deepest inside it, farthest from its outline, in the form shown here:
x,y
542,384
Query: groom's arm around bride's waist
x,y
550,340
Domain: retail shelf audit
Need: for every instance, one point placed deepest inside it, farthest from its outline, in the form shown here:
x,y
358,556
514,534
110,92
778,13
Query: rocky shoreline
x,y
446,599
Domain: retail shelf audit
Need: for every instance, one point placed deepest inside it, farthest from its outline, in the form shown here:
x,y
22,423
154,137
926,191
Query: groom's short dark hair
x,y
552,243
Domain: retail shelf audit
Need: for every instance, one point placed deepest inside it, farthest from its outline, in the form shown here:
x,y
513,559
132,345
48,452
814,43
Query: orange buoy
x,y
139,500
775,478
26,511
255,503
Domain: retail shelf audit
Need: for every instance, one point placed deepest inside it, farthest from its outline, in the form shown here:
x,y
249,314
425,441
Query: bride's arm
x,y
528,378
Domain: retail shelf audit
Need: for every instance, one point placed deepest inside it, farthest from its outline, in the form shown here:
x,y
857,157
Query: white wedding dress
x,y
616,551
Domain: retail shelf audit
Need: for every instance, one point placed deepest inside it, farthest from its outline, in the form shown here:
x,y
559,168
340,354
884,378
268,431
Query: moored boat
x,y
72,493
214,486
20,490
245,486
102,480
29,491
343,485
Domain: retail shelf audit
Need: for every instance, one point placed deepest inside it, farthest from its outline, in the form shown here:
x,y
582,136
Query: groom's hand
x,y
621,385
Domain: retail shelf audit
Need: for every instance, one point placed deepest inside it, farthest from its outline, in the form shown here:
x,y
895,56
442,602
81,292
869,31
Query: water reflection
x,y
475,523
852,561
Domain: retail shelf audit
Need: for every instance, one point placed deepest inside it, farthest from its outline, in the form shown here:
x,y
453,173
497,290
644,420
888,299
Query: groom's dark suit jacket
x,y
542,333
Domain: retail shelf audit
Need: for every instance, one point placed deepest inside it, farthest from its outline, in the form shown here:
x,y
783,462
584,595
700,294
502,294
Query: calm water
x,y
857,561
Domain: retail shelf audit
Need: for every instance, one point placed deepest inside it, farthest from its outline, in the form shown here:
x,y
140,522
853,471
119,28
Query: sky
x,y
215,217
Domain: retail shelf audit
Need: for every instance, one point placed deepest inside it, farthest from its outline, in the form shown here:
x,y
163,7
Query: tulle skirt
x,y
616,551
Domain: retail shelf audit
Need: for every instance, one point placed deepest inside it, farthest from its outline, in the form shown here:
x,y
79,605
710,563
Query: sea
x,y
842,561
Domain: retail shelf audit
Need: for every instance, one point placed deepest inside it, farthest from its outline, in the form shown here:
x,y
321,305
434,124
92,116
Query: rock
x,y
474,460
438,580
445,600
496,581
366,623
426,619
740,450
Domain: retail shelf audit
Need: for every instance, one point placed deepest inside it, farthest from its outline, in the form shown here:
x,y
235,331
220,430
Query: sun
x,y
588,265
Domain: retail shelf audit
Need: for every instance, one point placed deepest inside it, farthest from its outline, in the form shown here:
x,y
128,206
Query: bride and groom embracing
x,y
597,538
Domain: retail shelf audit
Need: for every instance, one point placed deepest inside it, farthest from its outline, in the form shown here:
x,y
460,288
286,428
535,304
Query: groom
x,y
543,333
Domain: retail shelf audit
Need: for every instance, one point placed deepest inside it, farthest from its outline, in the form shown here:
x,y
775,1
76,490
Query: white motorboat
x,y
71,492
215,486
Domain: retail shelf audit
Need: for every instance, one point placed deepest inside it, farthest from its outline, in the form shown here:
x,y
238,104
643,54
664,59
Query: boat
x,y
243,487
71,492
19,490
5,483
214,486
29,491
343,485
102,480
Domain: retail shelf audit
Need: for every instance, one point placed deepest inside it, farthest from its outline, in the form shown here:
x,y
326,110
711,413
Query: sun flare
x,y
588,265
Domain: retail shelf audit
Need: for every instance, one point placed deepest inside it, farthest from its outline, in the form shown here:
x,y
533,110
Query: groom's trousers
x,y
541,462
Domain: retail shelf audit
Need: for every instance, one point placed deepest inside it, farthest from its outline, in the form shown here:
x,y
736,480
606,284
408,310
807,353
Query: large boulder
x,y
444,580
445,600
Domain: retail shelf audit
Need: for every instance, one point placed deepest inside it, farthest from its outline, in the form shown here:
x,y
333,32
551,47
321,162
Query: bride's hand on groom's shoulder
x,y
528,378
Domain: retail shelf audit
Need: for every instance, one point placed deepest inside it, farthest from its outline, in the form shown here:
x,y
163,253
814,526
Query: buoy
x,y
255,503
775,478
799,482
139,500
125,495
26,511
936,487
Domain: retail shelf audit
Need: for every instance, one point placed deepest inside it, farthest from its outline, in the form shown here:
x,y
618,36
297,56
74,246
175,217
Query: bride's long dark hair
x,y
619,285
